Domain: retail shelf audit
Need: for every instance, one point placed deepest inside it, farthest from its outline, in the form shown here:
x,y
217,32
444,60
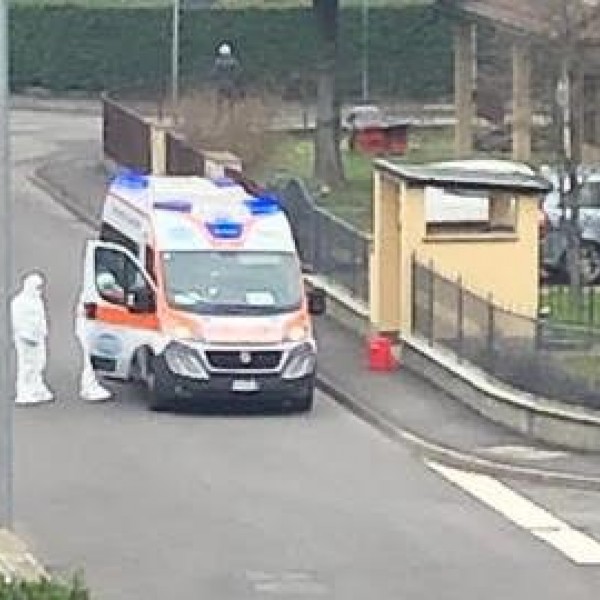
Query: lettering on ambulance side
x,y
129,220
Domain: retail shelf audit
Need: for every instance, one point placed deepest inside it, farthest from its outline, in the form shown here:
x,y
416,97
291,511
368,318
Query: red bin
x,y
380,354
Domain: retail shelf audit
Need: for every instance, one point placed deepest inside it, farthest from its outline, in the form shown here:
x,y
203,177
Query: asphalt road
x,y
154,506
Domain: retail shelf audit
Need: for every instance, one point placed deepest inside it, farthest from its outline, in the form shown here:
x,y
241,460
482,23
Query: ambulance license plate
x,y
244,385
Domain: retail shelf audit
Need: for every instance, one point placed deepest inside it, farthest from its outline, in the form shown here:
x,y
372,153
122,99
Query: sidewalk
x,y
401,404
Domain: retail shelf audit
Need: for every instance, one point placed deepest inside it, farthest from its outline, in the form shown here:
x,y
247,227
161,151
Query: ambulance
x,y
195,290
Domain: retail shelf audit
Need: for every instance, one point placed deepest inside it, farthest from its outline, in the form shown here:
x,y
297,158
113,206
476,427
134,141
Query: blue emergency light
x,y
225,229
182,206
131,180
224,182
263,205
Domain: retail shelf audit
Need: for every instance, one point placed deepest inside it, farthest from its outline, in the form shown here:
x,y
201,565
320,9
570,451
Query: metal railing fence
x,y
327,244
540,356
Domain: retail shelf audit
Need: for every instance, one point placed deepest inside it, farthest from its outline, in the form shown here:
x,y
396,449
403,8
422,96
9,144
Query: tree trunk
x,y
328,163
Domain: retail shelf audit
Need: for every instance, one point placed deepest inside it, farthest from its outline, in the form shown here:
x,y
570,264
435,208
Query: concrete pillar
x,y
521,128
412,214
158,150
464,87
215,163
384,304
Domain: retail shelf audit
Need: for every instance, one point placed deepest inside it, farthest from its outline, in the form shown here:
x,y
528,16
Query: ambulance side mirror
x,y
141,300
317,301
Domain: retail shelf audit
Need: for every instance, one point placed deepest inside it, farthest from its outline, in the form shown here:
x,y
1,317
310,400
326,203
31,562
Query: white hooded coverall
x,y
89,389
30,331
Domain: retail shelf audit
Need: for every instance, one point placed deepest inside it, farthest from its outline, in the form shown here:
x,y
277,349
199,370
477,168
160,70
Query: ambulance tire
x,y
159,395
305,403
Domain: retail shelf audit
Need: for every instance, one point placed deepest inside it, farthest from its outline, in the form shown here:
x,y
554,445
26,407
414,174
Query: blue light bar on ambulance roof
x,y
131,180
182,206
225,229
263,205
223,181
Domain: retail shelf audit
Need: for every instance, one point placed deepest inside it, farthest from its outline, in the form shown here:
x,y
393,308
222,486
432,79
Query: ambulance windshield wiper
x,y
254,309
241,309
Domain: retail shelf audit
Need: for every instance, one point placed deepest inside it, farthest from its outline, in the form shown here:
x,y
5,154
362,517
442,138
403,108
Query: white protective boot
x,y
90,389
95,393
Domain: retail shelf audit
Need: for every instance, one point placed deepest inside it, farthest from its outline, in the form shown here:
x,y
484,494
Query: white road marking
x,y
575,545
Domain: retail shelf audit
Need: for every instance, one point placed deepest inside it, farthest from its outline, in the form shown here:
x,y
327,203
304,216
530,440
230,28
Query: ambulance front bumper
x,y
282,375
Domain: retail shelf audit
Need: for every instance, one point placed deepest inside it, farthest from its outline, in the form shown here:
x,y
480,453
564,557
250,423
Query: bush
x,y
43,590
241,129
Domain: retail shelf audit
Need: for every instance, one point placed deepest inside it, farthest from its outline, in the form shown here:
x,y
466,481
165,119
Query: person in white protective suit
x,y
89,387
30,330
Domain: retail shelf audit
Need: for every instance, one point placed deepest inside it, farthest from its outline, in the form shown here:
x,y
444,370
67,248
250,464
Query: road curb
x,y
424,447
451,456
61,196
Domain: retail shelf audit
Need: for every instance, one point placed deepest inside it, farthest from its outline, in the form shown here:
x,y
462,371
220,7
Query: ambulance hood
x,y
269,329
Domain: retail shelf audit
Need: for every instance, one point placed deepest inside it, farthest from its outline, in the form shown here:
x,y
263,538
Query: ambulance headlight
x,y
301,362
185,361
297,333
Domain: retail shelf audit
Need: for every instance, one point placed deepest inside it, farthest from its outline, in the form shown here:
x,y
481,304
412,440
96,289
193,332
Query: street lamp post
x,y
365,51
6,267
175,59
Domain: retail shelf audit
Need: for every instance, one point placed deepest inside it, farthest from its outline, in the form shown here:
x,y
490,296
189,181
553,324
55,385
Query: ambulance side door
x,y
119,305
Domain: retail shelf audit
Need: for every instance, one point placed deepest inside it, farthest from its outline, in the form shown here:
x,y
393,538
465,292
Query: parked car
x,y
555,240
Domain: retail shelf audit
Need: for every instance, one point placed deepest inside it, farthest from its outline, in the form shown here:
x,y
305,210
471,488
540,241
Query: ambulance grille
x,y
236,360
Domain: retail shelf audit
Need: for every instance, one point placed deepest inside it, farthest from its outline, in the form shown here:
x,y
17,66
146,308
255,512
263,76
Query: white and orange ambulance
x,y
195,289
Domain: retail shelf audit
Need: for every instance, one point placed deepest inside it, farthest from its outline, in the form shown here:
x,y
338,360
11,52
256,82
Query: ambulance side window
x,y
116,275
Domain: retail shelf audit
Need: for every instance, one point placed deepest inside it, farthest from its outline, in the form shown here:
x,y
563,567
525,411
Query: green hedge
x,y
43,590
72,48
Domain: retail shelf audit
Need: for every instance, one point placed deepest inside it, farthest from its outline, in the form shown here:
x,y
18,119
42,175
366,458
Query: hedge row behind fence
x,y
71,48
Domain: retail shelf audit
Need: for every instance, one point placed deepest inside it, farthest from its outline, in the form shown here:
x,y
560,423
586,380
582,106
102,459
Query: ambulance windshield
x,y
232,282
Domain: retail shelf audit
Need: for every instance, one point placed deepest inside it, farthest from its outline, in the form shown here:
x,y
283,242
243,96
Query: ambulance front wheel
x,y
305,403
159,395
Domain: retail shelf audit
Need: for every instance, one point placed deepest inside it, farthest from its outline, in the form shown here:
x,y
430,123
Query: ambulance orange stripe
x,y
116,315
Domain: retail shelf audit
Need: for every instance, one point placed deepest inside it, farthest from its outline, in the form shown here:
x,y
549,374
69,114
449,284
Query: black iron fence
x,y
327,245
126,136
539,356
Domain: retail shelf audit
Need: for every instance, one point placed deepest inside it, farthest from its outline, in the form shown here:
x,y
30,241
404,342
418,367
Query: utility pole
x,y
6,268
175,60
566,98
365,51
